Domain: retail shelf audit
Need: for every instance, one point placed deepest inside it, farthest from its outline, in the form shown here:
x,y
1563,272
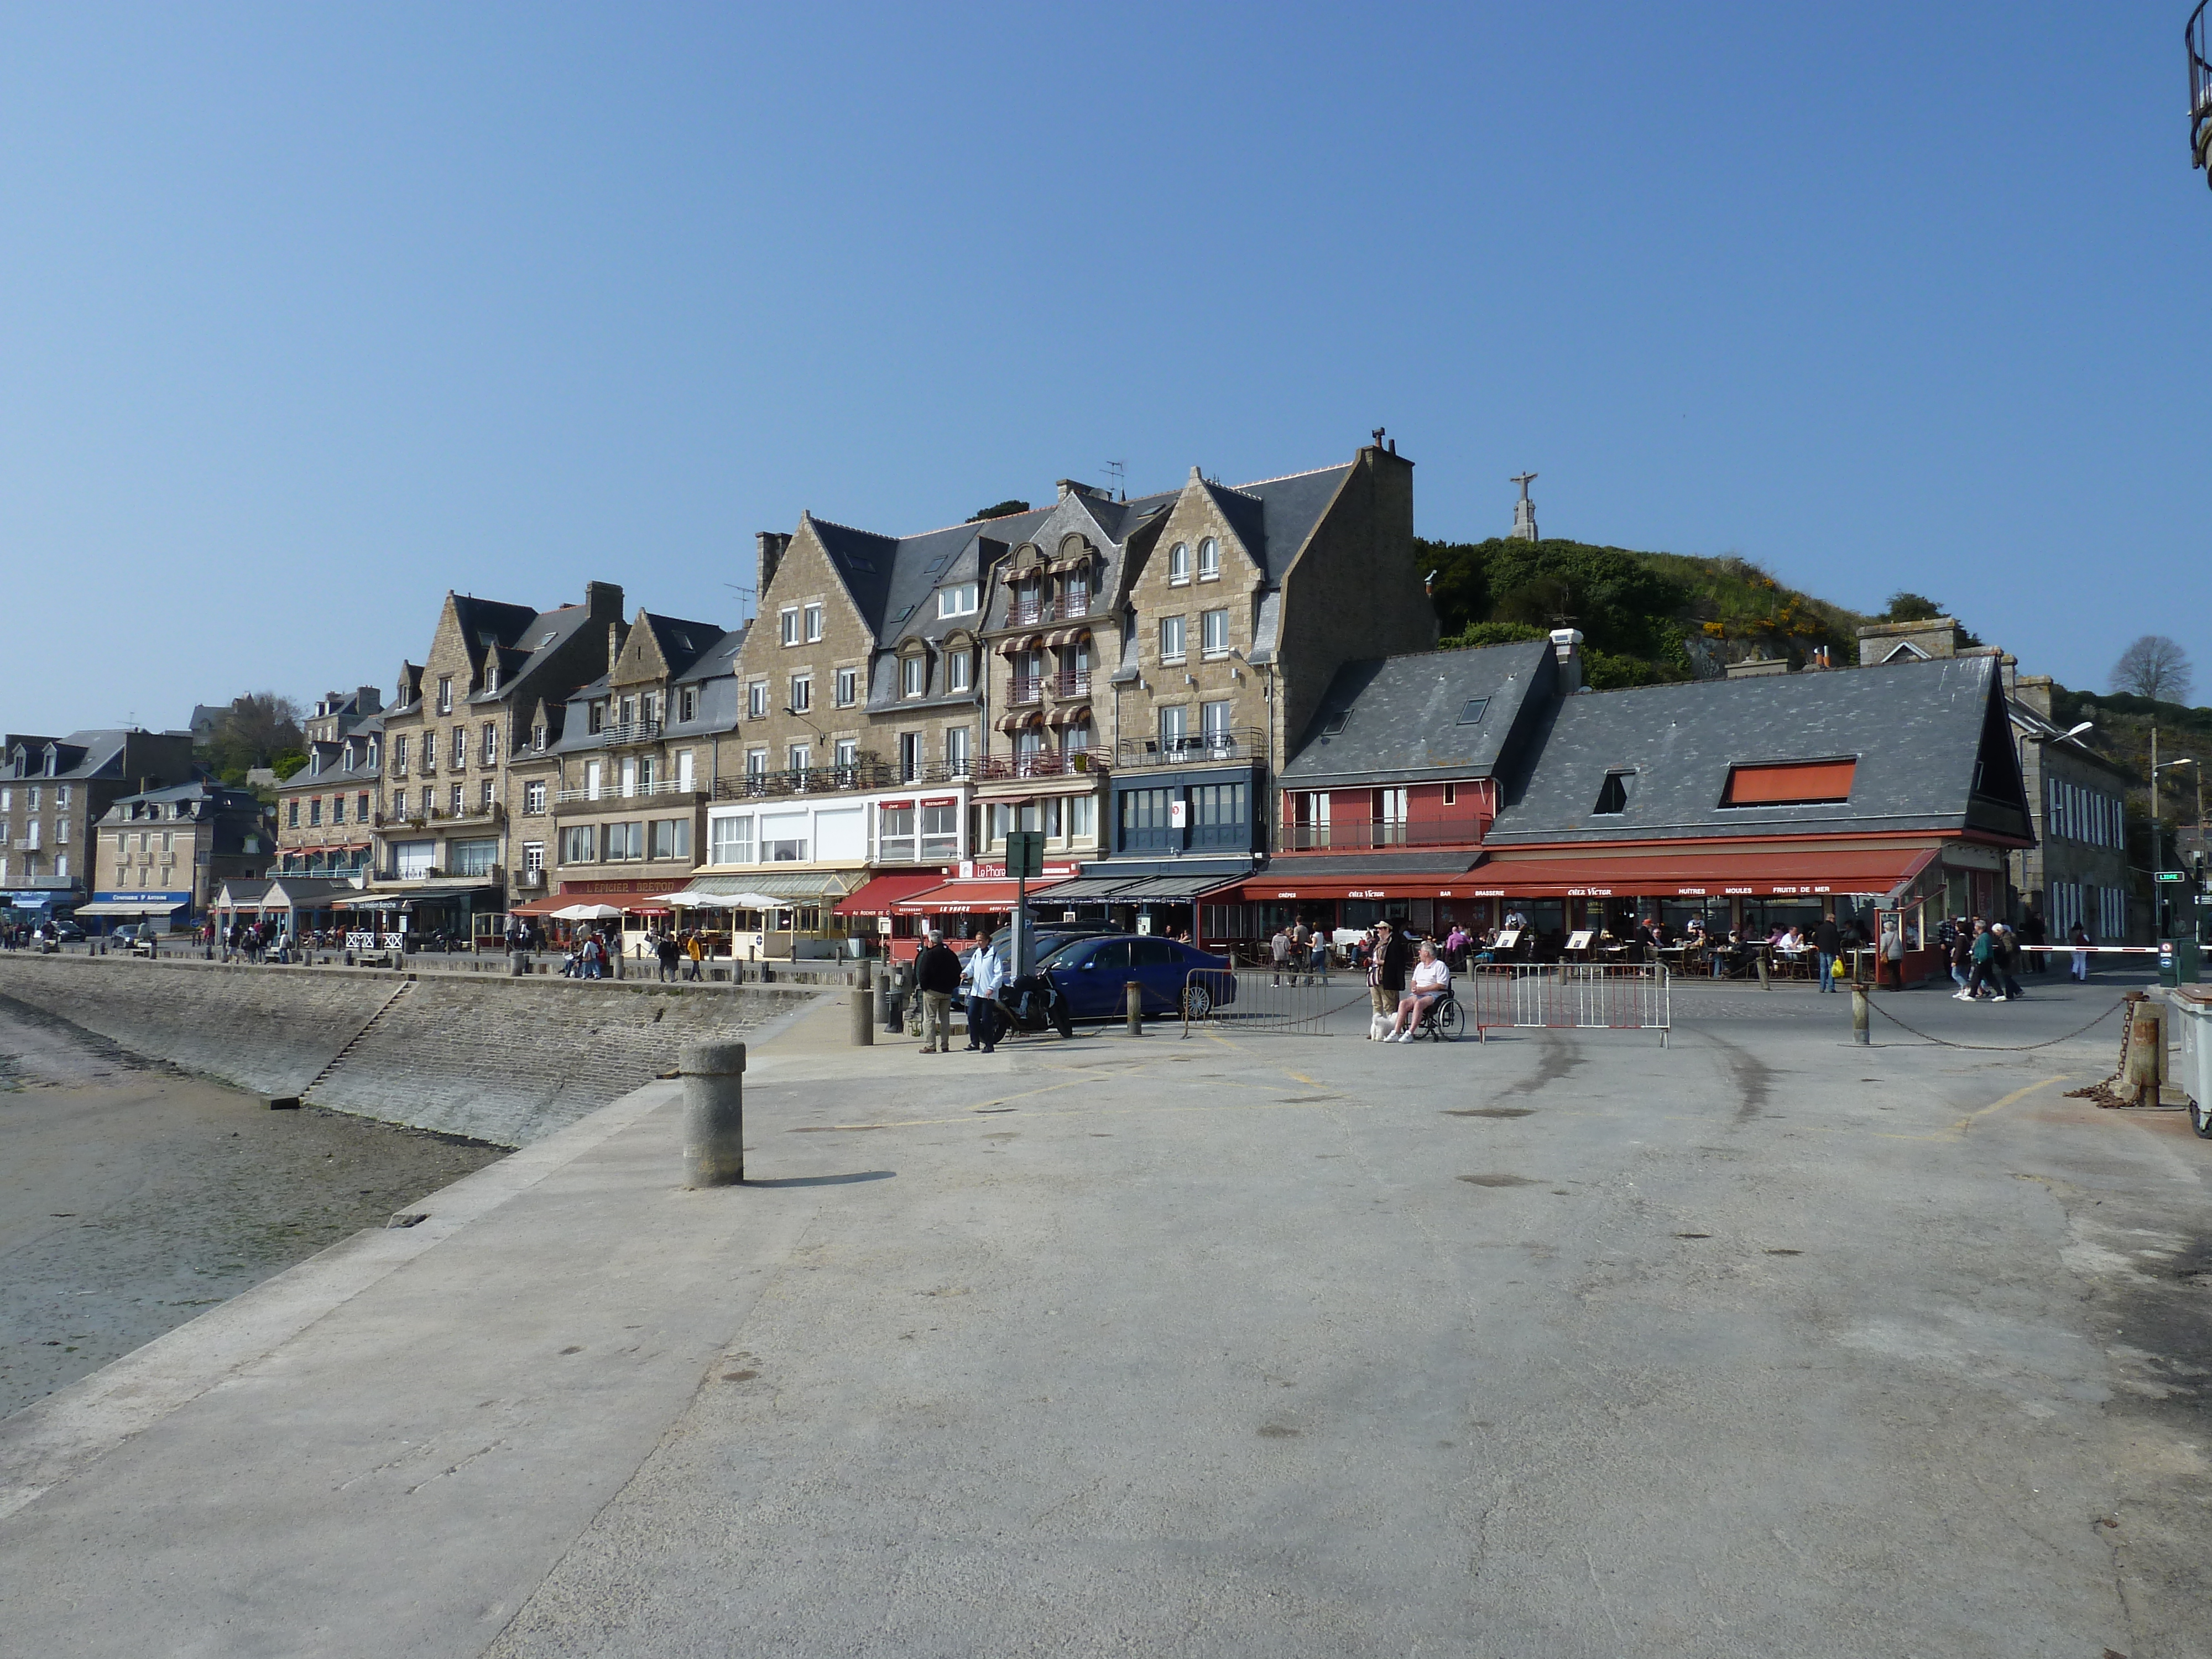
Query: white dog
x,y
1379,1027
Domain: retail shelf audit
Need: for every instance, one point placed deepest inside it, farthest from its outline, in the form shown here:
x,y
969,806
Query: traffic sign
x,y
2173,875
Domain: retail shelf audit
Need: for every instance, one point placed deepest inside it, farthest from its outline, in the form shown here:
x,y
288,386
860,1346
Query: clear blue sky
x,y
308,313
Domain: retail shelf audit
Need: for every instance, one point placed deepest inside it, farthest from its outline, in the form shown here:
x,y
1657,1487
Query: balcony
x,y
1045,763
1028,613
1378,835
867,774
1024,689
495,813
938,772
624,731
615,791
1234,743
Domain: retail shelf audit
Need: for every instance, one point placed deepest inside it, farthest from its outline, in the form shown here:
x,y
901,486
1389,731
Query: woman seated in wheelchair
x,y
1430,981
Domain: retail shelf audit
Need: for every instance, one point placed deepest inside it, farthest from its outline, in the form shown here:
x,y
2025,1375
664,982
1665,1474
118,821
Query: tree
x,y
1002,510
1910,607
252,732
2154,667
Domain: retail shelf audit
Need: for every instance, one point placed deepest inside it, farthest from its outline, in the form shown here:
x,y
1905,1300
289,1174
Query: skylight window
x,y
547,641
1333,722
1472,714
1613,797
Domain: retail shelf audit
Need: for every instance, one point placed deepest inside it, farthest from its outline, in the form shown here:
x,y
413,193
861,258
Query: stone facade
x,y
54,790
2078,869
450,738
326,810
183,843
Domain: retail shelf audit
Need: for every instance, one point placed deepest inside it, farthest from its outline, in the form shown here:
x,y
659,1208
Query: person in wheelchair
x,y
1430,981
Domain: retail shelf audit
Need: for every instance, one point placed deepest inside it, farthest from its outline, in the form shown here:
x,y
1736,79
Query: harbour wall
x,y
505,1061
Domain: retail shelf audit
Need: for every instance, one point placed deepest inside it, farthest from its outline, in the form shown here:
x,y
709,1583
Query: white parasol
x,y
586,912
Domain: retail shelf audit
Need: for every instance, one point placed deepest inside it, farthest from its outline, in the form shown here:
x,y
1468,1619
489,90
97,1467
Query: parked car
x,y
1091,974
127,934
67,931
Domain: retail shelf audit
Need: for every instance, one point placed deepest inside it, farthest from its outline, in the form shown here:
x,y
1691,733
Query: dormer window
x,y
1613,795
1209,561
445,693
913,676
315,765
958,672
537,735
957,600
1179,563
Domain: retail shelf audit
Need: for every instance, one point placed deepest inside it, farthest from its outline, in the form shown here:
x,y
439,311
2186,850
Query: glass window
x,y
1174,726
848,687
1213,633
456,802
813,623
624,841
940,831
292,814
685,774
472,858
670,839
957,671
1213,720
798,756
731,840
576,844
955,750
445,693
533,796
756,701
533,856
315,811
460,745
958,600
490,744
1209,560
802,693
338,809
847,751
1082,817
913,676
1171,639
755,762
787,622
1179,563
483,794
361,807
895,832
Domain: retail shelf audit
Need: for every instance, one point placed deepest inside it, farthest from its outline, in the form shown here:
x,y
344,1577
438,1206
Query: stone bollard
x,y
1135,993
521,960
863,1015
1859,1033
885,1002
1765,983
714,1113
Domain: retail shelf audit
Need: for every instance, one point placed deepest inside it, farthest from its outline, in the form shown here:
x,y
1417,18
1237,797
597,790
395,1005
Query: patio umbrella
x,y
588,912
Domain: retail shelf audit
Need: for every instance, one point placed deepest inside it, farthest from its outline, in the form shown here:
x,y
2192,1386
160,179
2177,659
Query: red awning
x,y
975,897
1702,874
544,907
1689,873
880,896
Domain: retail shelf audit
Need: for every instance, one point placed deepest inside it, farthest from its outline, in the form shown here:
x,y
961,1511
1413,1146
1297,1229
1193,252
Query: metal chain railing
x,y
1993,1048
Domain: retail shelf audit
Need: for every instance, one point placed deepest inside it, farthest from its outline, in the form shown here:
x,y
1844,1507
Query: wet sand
x,y
133,1197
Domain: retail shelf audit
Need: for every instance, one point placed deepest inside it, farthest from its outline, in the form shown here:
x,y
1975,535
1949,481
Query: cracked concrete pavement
x,y
1557,1346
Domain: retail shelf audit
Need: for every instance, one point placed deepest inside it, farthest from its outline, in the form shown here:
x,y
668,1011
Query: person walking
x,y
2080,939
2004,957
1278,951
1979,953
1828,944
987,977
695,953
937,975
1962,962
669,952
1385,970
2033,932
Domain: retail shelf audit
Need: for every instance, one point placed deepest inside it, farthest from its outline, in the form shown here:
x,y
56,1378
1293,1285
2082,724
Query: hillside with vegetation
x,y
1646,618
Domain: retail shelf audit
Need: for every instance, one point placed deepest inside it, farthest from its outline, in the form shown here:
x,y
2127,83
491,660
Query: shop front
x,y
169,911
981,899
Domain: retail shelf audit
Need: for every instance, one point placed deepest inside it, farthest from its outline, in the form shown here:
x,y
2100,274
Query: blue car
x,y
1092,973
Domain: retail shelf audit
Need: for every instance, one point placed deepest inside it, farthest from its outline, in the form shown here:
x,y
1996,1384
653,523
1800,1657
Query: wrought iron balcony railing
x,y
869,773
1025,612
1234,743
1044,764
1371,836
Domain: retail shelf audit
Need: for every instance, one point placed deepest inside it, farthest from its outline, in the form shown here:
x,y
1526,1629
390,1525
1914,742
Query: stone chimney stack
x,y
773,544
1567,647
604,600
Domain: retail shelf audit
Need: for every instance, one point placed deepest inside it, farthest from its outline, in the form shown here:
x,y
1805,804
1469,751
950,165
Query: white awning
x,y
127,907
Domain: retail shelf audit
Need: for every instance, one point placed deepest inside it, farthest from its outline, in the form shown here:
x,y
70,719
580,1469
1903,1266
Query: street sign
x,y
2172,875
1025,853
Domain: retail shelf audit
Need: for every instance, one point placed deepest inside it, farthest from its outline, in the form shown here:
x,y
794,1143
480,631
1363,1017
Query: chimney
x,y
1567,647
1067,487
2032,693
614,643
772,545
604,600
368,699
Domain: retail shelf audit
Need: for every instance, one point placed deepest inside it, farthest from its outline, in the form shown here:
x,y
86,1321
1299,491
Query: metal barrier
x,y
1570,996
1262,999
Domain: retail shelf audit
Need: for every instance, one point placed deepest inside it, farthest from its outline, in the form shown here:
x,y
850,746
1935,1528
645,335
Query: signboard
x,y
1025,853
2172,875
1580,940
170,900
1178,814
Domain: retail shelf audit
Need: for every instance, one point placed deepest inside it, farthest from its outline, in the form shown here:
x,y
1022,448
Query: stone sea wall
x,y
505,1060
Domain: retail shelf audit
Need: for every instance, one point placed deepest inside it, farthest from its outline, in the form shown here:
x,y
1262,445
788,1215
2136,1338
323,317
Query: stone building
x,y
1118,674
53,790
162,855
442,825
326,810
606,800
2078,869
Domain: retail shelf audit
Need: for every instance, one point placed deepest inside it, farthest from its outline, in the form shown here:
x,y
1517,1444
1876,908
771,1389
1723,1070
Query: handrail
x,y
1366,835
1234,743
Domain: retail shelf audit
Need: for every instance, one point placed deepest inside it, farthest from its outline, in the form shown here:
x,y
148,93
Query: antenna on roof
x,y
1118,471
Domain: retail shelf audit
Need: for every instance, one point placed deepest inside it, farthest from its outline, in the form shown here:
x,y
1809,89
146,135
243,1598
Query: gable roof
x,y
1920,734
1401,716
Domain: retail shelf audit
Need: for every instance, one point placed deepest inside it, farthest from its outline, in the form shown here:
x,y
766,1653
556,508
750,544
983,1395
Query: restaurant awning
x,y
794,887
881,895
978,896
127,907
541,907
1700,873
1182,888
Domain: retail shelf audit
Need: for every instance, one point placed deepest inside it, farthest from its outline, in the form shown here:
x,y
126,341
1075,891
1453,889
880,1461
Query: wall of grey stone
x,y
266,1030
503,1060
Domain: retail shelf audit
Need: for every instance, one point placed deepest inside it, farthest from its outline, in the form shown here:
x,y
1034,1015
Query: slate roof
x,y
1917,731
1401,716
681,643
554,627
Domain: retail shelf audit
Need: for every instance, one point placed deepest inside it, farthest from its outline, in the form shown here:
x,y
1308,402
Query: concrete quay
x,y
1562,1345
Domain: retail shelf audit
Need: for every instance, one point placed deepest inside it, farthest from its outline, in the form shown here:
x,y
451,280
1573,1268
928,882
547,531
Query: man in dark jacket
x,y
1386,973
937,976
2033,932
1828,939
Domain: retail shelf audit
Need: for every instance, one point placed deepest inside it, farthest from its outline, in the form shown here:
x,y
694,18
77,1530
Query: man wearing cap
x,y
1386,969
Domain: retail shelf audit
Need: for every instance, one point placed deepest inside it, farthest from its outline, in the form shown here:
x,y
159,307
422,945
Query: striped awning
x,y
1066,636
1019,643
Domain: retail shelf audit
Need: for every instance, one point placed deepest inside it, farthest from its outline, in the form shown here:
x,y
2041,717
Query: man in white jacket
x,y
987,975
